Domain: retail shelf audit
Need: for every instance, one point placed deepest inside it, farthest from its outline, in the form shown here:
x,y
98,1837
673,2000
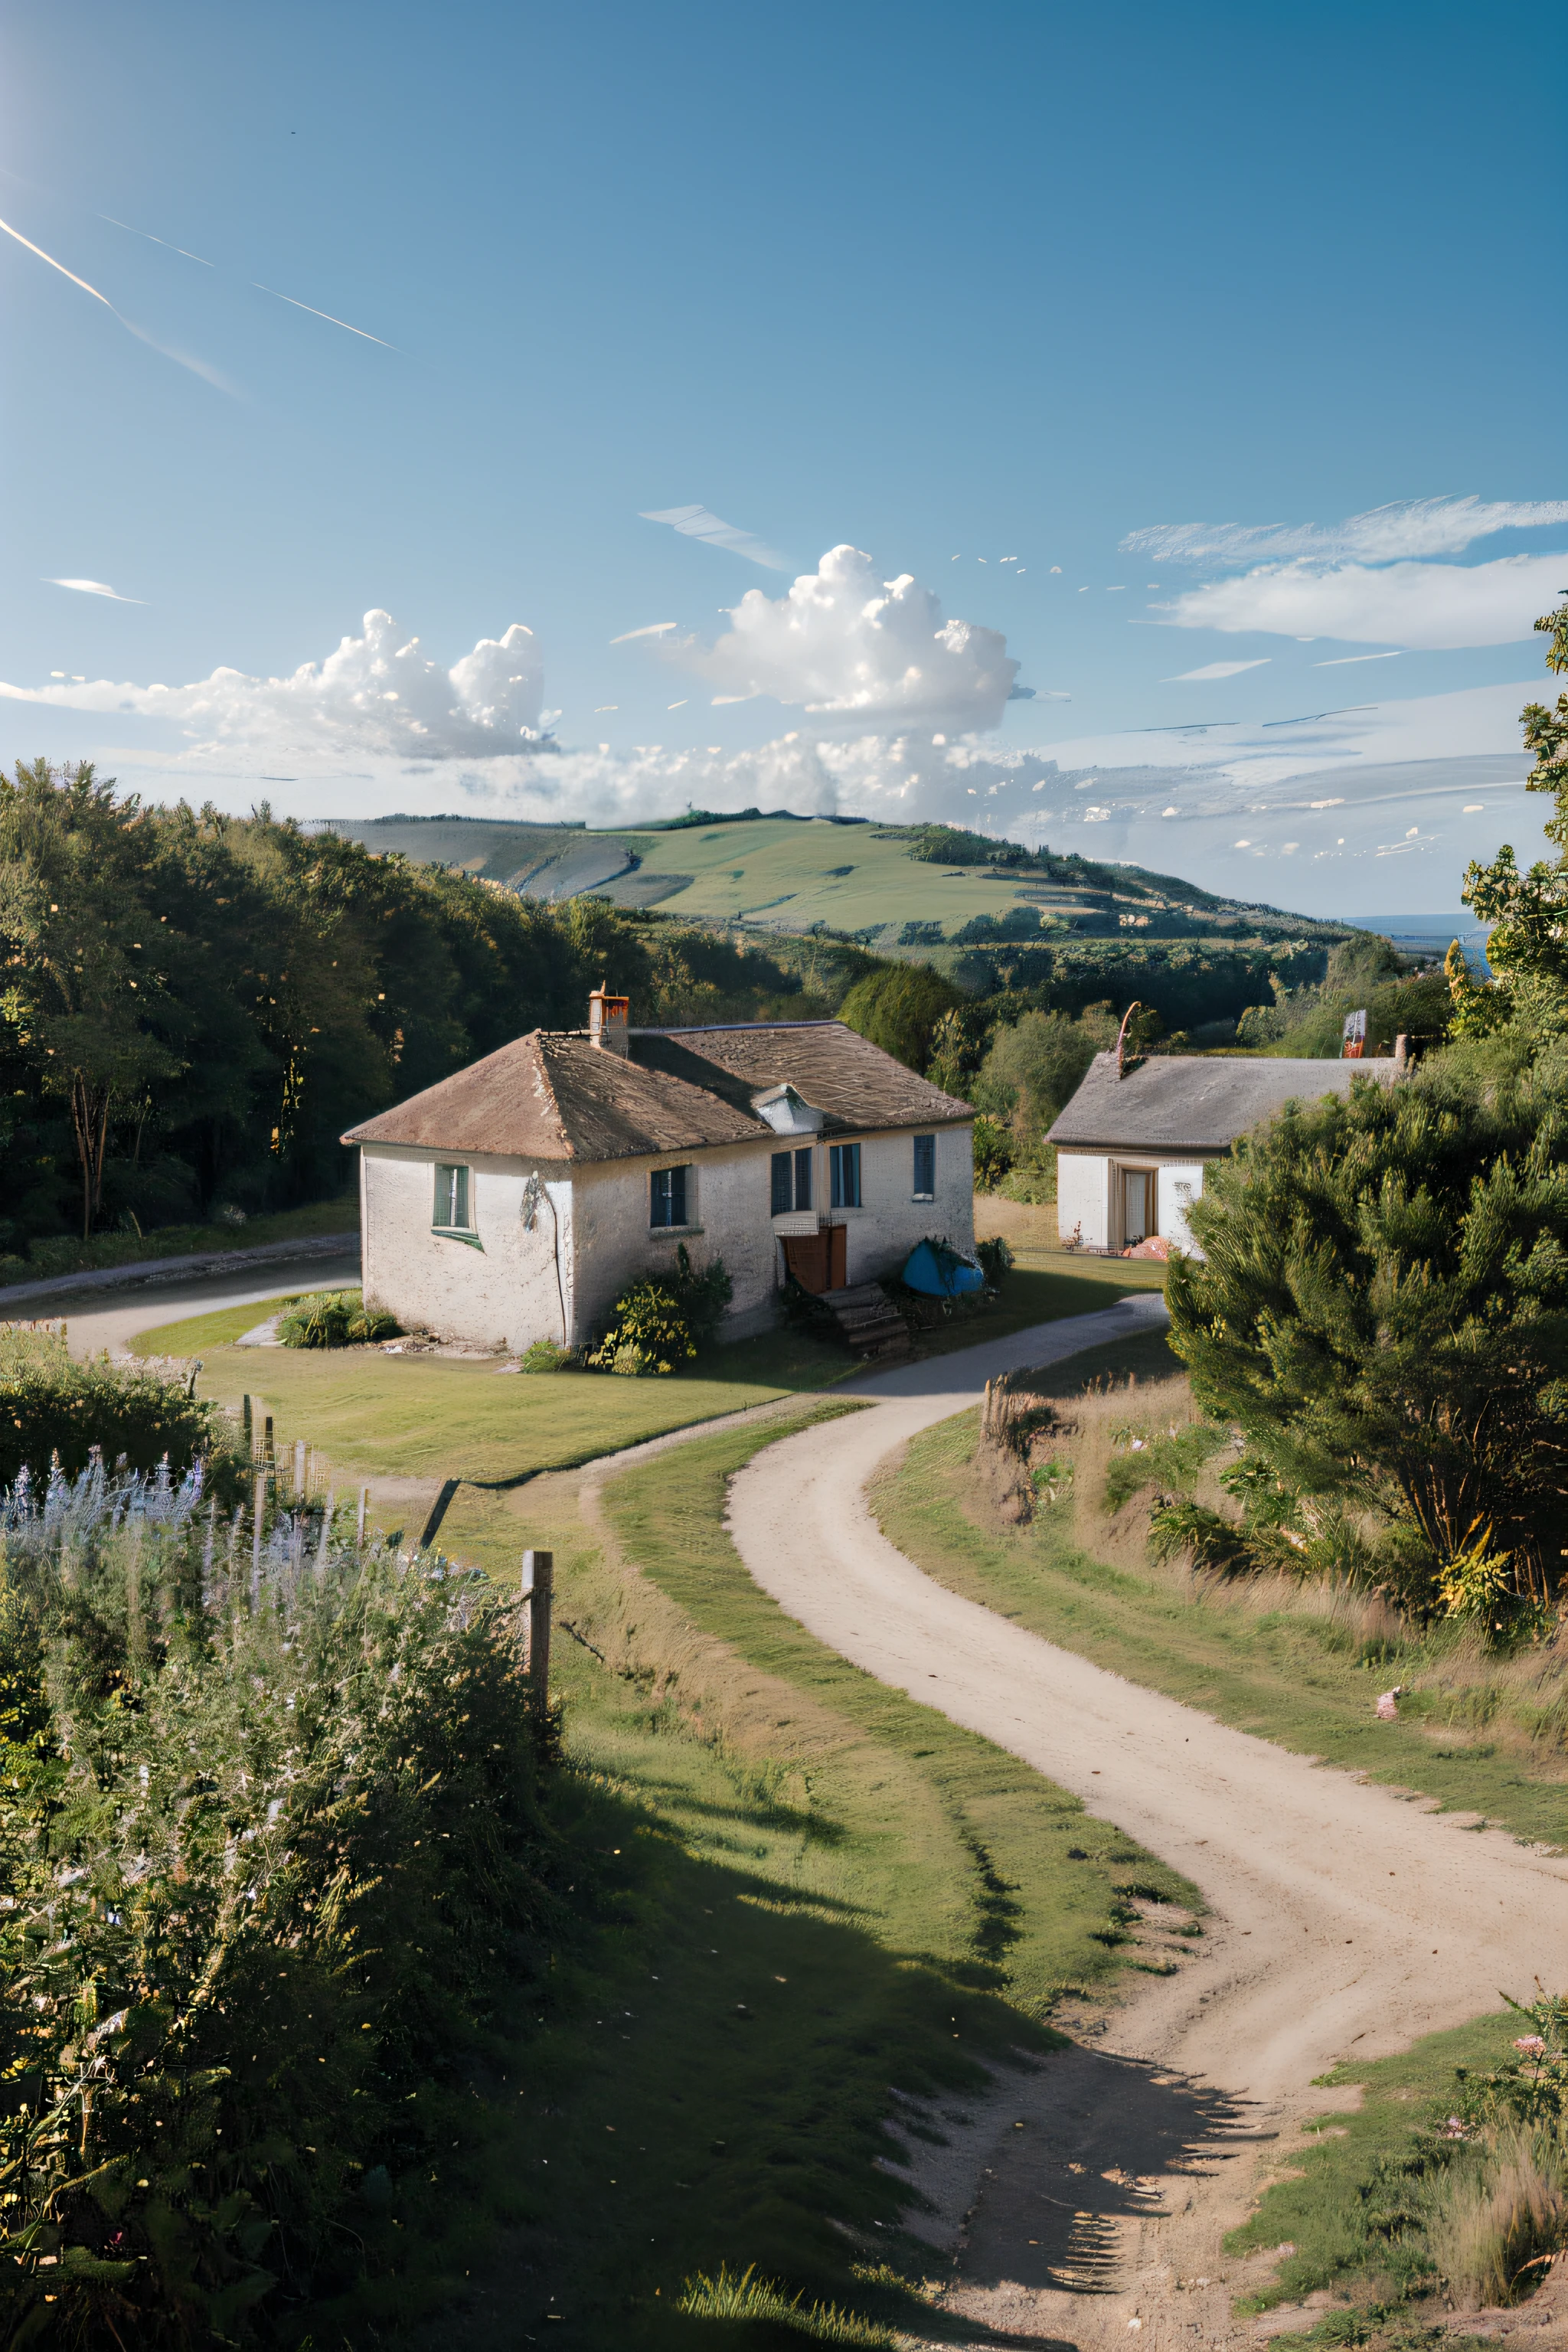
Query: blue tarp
x,y
937,1271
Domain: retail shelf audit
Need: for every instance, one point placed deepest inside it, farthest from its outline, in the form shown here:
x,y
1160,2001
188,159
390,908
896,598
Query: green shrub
x,y
992,1148
52,1405
335,1318
996,1260
649,1333
702,1295
544,1356
272,1856
899,1007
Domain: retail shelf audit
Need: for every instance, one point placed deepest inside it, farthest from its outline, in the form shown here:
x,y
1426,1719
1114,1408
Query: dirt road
x,y
1345,1918
111,1317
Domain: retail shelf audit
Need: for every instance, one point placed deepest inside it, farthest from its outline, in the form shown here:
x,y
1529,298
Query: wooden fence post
x,y
250,1430
256,1541
364,1501
539,1583
298,1469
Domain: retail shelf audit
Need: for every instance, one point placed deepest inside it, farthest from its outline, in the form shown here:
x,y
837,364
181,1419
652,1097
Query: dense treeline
x,y
197,1005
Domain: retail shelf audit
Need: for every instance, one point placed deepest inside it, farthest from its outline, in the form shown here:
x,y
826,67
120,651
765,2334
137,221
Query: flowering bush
x,y
52,1405
271,1855
649,1333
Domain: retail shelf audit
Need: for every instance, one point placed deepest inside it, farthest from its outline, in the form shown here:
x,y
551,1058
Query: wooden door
x,y
838,1240
805,1257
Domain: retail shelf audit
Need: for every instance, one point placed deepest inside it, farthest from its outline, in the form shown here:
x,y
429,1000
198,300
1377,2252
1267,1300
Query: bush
x,y
335,1318
993,1152
703,1296
240,1975
51,1405
649,1333
544,1356
996,1260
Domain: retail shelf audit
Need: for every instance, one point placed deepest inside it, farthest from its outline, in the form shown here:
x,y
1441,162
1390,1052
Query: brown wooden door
x,y
838,1240
805,1257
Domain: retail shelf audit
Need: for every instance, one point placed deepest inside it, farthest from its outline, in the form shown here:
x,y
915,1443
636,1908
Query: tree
x,y
898,1008
1527,948
85,984
1383,1309
1034,1067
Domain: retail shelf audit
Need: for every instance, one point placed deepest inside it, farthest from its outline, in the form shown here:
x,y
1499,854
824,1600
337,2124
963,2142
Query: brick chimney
x,y
607,1021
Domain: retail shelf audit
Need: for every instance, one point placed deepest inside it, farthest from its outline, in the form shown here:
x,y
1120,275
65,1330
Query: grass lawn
x,y
798,1894
431,1417
1351,2207
1307,1680
61,1255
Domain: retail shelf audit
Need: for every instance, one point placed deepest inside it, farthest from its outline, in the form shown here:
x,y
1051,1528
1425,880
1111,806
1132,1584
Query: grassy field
x,y
771,871
427,1417
799,1894
1477,1733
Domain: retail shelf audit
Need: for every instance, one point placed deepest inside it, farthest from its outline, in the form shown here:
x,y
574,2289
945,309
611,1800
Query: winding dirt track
x,y
1345,1917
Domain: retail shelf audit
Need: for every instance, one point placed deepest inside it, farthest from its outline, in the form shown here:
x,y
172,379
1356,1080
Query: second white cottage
x,y
516,1200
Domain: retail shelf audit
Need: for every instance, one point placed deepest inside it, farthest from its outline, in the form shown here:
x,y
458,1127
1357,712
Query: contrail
x,y
60,265
196,367
155,240
321,314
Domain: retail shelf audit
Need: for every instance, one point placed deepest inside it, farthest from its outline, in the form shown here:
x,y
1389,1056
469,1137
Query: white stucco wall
x,y
500,1293
504,1292
1171,1207
884,1229
1083,1198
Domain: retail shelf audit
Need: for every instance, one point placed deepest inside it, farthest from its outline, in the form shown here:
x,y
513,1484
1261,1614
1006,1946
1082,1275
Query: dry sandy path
x,y
1345,1917
111,1317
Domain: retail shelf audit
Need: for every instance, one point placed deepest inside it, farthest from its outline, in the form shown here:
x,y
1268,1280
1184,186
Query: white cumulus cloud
x,y
845,645
1410,526
373,695
1430,606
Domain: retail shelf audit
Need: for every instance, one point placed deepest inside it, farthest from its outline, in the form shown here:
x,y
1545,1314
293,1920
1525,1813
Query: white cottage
x,y
516,1201
1133,1143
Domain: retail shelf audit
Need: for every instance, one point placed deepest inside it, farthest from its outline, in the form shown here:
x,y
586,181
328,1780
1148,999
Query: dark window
x,y
844,1166
925,1167
666,1203
784,1199
803,1178
451,1211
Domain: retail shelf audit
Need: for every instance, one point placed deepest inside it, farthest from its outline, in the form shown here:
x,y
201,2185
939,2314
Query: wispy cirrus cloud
x,y
1407,528
1215,669
695,522
1430,607
95,588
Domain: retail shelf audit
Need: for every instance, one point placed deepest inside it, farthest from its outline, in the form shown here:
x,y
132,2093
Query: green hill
x,y
901,889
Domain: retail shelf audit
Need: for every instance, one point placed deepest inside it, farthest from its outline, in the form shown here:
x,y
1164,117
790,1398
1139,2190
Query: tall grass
x,y
271,1856
1490,2225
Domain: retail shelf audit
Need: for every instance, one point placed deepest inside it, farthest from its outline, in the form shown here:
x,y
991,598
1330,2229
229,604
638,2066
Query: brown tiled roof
x,y
1196,1102
552,1095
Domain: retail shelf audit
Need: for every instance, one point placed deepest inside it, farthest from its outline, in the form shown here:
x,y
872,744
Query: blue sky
x,y
1011,282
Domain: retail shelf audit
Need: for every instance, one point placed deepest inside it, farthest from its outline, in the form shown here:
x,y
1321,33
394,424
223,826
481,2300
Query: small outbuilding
x,y
518,1199
1133,1143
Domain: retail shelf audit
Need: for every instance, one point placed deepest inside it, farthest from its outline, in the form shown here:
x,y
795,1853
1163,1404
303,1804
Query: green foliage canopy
x,y
898,1008
1383,1309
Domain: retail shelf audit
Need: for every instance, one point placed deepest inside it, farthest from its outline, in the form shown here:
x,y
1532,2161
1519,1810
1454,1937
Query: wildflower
x,y
1531,2044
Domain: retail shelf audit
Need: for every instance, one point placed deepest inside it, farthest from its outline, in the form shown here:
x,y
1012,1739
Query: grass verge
x,y
803,1894
1294,1673
61,1254
1353,2208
